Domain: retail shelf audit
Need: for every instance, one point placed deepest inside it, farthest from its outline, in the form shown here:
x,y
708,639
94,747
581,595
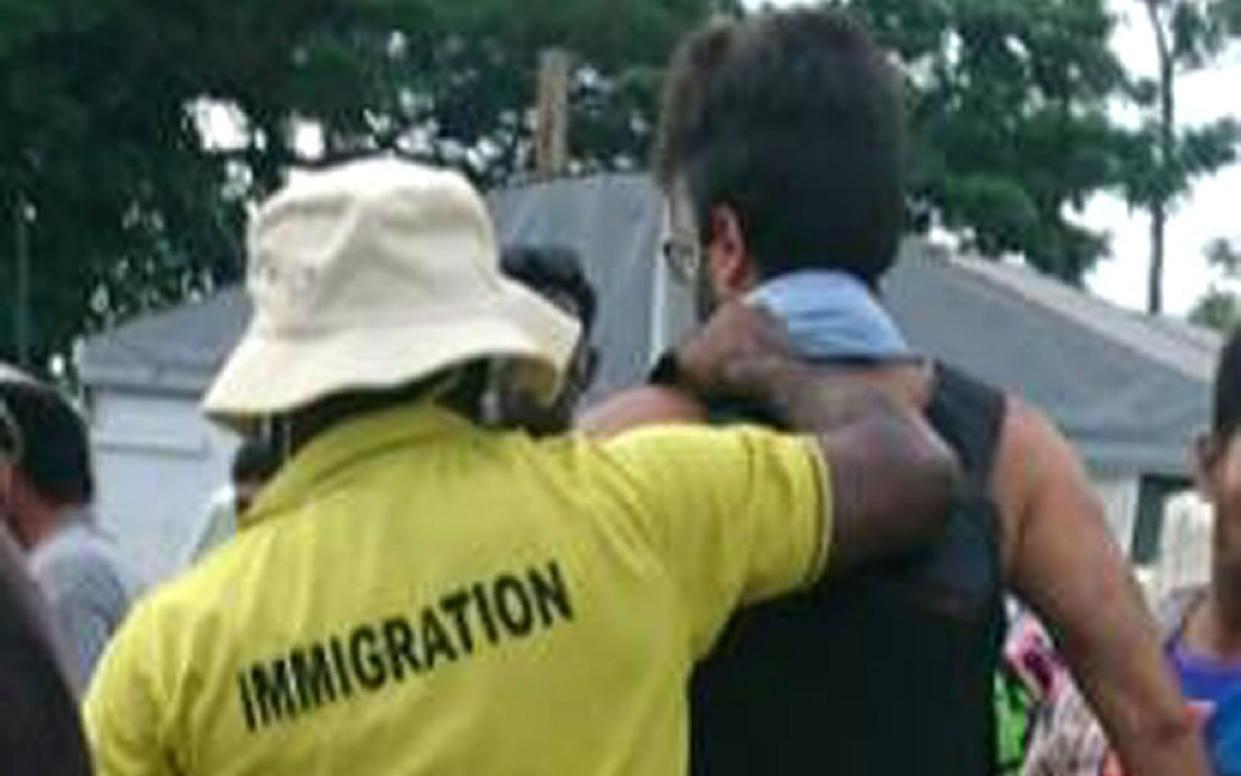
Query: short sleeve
x,y
737,515
85,629
87,600
121,712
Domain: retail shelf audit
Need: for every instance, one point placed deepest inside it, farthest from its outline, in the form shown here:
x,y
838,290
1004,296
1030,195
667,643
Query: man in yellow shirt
x,y
416,593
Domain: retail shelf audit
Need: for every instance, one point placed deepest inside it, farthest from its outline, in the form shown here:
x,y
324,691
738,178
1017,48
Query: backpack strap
x,y
970,416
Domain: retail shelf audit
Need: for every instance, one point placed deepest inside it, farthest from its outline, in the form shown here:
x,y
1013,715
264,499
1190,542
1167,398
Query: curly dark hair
x,y
795,120
256,460
552,268
53,442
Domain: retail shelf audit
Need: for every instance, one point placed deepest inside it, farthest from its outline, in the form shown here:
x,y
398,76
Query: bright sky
x,y
1212,210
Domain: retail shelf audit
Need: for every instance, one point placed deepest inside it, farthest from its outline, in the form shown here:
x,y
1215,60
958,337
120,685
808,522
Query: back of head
x,y
1226,409
795,121
552,270
53,444
256,460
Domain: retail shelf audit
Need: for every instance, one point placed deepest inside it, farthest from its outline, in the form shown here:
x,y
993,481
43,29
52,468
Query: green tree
x,y
129,205
1164,158
1220,308
1010,128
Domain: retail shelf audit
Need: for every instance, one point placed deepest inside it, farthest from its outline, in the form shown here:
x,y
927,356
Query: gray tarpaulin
x,y
1129,391
614,223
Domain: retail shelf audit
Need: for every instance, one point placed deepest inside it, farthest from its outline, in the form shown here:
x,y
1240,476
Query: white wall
x,y
157,462
1184,545
1119,494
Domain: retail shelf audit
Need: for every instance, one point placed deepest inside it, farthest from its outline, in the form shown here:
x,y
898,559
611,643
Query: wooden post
x,y
551,127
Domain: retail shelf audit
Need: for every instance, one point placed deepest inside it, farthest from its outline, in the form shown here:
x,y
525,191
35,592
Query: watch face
x,y
666,370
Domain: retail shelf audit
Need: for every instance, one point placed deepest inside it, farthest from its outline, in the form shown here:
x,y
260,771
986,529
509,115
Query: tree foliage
x,y
1163,158
1220,308
136,200
1010,130
1013,127
135,134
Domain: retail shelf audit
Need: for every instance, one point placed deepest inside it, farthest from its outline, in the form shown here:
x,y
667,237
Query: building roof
x,y
175,351
1129,390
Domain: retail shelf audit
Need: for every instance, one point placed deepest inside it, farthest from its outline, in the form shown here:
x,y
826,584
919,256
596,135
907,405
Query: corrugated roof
x,y
1129,390
1177,345
176,350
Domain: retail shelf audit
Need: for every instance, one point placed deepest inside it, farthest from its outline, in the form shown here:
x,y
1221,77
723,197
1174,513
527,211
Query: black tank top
x,y
887,671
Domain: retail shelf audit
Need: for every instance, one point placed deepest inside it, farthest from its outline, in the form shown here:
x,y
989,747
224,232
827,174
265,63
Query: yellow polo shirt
x,y
417,595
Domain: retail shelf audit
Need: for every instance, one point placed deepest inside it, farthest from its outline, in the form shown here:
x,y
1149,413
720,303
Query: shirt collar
x,y
349,442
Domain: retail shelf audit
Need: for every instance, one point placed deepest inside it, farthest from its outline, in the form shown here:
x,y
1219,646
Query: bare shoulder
x,y
645,405
1035,467
1027,437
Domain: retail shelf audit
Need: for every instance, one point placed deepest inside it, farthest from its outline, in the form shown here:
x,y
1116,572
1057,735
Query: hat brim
x,y
271,374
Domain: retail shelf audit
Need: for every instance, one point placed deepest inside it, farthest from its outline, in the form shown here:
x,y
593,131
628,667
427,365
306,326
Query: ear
x,y
729,262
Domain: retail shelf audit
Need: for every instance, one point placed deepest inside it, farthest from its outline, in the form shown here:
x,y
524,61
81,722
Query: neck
x,y
38,523
460,391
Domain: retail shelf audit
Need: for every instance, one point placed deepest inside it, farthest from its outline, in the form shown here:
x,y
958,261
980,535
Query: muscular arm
x,y
891,476
1062,561
646,405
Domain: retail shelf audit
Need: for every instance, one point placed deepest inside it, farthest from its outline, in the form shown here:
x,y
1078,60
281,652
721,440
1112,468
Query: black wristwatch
x,y
667,371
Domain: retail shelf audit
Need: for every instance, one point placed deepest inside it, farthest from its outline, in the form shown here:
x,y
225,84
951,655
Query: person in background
x,y
254,463
418,593
46,490
1025,682
1201,623
555,273
39,727
780,151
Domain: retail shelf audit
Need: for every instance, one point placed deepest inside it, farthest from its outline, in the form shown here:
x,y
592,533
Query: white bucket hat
x,y
376,274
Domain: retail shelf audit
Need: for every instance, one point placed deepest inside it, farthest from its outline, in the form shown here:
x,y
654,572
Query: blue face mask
x,y
832,316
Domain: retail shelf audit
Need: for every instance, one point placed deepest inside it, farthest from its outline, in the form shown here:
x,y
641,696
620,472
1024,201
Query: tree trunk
x,y
1154,280
551,131
1167,143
